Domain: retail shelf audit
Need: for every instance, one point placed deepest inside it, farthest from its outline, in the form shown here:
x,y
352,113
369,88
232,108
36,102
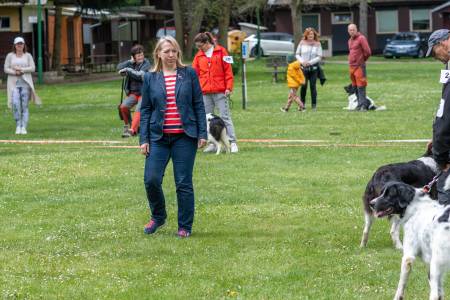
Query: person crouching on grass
x,y
295,79
134,69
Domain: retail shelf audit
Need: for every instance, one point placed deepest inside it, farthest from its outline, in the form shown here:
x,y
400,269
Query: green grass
x,y
275,221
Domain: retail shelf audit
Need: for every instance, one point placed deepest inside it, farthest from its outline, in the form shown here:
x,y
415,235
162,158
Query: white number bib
x,y
445,76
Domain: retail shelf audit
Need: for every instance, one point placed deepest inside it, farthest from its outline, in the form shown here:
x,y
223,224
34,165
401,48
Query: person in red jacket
x,y
359,53
213,67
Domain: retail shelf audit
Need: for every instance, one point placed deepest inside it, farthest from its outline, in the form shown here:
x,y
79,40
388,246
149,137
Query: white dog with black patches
x,y
417,173
353,100
427,232
217,133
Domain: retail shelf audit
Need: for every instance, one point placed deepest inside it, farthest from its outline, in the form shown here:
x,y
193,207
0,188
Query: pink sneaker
x,y
151,227
183,233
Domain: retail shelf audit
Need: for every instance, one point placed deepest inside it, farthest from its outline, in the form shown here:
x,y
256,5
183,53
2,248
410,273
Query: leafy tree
x,y
296,15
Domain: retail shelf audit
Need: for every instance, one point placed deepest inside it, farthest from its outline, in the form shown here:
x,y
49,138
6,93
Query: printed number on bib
x,y
445,76
228,59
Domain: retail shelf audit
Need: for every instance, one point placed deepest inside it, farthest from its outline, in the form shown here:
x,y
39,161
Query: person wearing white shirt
x,y
19,65
309,54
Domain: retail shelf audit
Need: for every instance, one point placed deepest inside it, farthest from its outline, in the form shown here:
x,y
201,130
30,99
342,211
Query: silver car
x,y
272,43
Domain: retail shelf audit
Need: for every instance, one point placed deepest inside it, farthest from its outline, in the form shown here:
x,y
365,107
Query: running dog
x,y
353,99
417,173
427,232
217,133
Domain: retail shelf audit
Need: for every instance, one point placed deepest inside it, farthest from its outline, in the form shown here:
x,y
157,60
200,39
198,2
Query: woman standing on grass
x,y
19,65
213,66
173,126
309,54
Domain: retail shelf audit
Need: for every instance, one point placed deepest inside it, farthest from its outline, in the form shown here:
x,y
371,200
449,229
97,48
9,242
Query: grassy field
x,y
276,221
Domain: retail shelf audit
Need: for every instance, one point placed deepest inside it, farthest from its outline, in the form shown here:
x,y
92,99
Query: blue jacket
x,y
189,98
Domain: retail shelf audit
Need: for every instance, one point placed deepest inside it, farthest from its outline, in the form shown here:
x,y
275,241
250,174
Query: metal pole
x,y
258,33
244,85
39,28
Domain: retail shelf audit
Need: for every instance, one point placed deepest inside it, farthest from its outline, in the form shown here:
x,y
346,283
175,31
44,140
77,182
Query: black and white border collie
x,y
352,93
217,133
426,232
417,173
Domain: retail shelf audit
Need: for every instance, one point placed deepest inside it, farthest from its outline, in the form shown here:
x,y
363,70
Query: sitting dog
x,y
427,232
217,133
353,99
417,173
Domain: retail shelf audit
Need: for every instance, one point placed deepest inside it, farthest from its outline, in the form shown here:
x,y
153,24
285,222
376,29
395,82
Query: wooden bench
x,y
278,65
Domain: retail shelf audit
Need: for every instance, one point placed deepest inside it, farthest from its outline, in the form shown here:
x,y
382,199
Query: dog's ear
x,y
406,194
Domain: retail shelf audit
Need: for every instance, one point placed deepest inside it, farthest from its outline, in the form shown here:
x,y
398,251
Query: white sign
x,y
445,76
245,49
32,19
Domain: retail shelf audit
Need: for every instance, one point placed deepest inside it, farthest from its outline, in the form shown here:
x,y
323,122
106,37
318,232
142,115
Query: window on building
x,y
341,18
311,20
4,23
387,21
420,20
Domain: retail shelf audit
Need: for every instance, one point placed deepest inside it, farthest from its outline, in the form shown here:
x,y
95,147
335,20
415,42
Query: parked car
x,y
405,44
163,31
272,43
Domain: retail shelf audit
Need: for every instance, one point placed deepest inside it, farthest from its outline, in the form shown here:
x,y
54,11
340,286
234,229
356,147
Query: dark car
x,y
405,44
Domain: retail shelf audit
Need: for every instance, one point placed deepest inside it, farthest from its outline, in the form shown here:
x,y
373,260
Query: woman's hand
x,y
145,149
201,143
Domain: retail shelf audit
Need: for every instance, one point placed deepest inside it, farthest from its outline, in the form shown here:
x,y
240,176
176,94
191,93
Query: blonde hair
x,y
308,31
157,60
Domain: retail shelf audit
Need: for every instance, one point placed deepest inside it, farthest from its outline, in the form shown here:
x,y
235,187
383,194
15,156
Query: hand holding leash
x,y
201,143
145,149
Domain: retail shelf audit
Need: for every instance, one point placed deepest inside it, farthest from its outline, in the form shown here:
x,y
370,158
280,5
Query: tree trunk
x,y
296,16
363,17
56,64
179,27
195,16
224,22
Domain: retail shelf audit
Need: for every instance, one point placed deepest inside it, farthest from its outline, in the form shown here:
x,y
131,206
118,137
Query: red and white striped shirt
x,y
172,120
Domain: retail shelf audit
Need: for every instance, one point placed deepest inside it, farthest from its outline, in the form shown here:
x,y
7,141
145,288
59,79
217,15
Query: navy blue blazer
x,y
189,98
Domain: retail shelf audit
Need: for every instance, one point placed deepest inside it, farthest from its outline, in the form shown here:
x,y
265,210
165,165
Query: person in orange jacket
x,y
295,79
213,67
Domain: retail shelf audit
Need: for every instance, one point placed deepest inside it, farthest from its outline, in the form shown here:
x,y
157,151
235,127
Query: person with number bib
x,y
439,47
213,67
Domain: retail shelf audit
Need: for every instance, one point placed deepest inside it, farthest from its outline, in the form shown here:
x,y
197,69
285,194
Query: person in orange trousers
x,y
134,69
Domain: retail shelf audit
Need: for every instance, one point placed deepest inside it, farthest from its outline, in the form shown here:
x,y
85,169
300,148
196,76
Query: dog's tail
x,y
225,139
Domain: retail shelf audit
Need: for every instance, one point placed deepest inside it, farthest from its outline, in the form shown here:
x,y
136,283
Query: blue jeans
x,y
182,149
20,100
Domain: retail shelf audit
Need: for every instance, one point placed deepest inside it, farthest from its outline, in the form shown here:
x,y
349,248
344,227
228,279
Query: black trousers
x,y
443,195
311,77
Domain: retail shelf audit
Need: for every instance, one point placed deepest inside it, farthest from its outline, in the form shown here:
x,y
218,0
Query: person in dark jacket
x,y
359,53
173,126
134,70
439,47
